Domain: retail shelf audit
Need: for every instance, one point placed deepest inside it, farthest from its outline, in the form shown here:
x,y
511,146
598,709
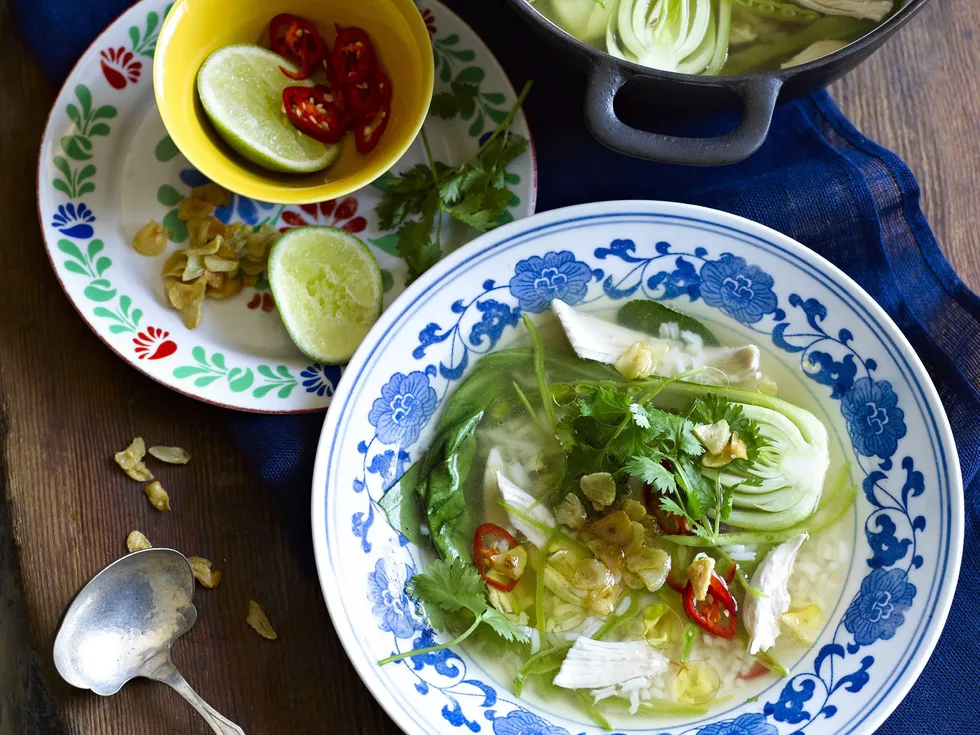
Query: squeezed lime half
x,y
327,286
240,87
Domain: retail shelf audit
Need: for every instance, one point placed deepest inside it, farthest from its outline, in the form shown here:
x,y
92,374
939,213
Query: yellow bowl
x,y
195,28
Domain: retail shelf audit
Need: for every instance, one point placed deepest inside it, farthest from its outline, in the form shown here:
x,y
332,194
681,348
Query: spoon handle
x,y
168,674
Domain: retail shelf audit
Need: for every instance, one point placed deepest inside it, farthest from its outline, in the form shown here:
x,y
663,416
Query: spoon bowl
x,y
123,623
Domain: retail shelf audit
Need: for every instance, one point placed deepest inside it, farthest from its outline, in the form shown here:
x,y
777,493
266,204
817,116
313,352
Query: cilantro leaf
x,y
727,501
640,415
649,469
460,101
474,192
698,495
445,590
415,243
712,408
685,441
605,403
503,627
449,586
405,196
670,506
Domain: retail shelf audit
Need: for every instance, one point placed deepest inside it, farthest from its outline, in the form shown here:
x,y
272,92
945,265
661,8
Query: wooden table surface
x,y
67,403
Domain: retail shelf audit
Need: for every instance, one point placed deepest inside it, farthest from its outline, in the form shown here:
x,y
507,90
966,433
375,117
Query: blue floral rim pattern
x,y
875,422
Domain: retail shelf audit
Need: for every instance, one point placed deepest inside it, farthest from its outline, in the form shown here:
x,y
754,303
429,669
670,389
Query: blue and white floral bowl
x,y
864,380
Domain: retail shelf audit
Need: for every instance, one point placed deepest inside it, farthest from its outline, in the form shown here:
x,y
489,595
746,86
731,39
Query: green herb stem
x,y
613,620
558,533
432,649
546,400
689,637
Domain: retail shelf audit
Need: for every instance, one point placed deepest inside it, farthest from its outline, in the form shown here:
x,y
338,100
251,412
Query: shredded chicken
x,y
761,614
593,664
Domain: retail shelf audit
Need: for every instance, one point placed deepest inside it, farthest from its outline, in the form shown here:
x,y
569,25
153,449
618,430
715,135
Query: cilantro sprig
x,y
474,192
616,429
449,592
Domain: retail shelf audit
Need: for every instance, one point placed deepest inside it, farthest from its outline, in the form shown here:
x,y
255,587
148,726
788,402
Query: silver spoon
x,y
123,623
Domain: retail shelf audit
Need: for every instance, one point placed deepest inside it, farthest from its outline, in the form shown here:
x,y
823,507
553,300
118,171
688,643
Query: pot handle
x,y
758,97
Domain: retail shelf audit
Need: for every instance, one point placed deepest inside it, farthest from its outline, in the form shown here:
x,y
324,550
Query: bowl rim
x,y
894,693
866,42
278,194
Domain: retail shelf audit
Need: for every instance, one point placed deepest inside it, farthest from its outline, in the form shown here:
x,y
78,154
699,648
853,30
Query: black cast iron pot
x,y
757,94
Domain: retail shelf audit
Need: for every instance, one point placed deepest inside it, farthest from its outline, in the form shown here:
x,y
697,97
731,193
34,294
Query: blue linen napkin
x,y
816,179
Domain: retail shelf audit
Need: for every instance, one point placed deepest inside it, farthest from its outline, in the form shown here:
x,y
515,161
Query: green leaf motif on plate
x,y
206,371
445,54
100,290
125,320
387,243
77,144
165,150
464,99
145,39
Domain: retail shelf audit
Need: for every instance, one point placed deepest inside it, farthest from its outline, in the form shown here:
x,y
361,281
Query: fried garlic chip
x,y
136,541
259,622
192,208
175,265
151,239
207,248
197,232
212,193
255,267
188,298
217,228
194,268
170,455
219,264
214,280
157,496
131,461
231,287
204,574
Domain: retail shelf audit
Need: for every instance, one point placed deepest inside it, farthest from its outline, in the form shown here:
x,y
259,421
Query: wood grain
x,y
67,404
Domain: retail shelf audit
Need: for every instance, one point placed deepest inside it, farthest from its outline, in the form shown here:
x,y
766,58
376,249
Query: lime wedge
x,y
327,286
241,90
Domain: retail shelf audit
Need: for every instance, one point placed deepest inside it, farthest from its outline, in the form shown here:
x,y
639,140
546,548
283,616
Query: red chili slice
x,y
368,95
299,41
709,614
755,672
311,113
369,129
353,55
730,573
488,541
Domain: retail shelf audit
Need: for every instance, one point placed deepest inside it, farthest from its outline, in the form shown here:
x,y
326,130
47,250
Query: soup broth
x,y
658,535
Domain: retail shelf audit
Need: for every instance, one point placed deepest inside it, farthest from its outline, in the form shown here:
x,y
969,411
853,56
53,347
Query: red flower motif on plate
x,y
430,21
120,67
342,214
152,344
263,300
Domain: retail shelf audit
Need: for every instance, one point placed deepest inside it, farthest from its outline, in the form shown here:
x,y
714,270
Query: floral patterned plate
x,y
858,374
107,167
